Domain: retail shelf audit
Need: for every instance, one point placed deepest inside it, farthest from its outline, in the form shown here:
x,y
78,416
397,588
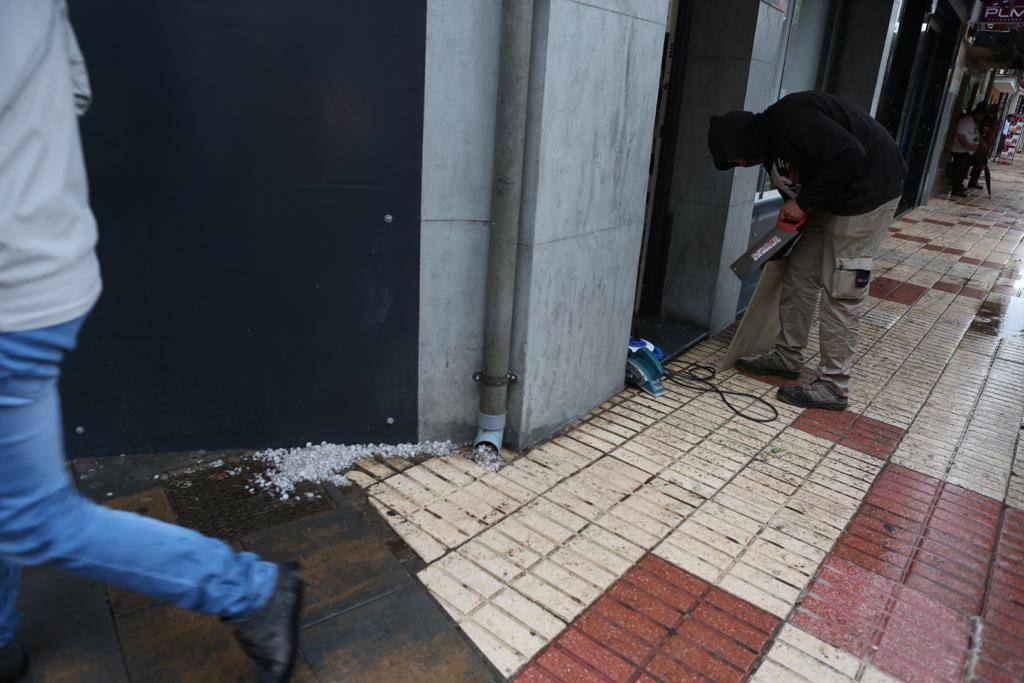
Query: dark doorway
x,y
915,91
672,336
255,172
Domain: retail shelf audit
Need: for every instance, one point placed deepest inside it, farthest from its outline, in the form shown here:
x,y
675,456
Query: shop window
x,y
807,50
808,35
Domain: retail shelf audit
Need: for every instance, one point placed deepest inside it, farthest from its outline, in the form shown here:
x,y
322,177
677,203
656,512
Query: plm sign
x,y
1003,12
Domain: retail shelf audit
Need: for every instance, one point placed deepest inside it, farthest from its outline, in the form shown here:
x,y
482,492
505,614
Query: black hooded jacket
x,y
843,160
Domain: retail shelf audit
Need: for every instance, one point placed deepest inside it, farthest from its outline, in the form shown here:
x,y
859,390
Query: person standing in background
x,y
49,281
965,145
988,129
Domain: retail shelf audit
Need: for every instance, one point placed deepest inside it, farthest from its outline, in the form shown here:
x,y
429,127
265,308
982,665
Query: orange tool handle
x,y
789,227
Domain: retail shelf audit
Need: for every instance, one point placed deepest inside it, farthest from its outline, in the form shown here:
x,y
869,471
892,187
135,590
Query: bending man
x,y
838,168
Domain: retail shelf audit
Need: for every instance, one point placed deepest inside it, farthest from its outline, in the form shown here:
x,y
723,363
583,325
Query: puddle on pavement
x,y
1002,320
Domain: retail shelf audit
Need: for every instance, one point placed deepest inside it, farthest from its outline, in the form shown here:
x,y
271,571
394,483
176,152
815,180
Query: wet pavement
x,y
658,539
669,539
366,617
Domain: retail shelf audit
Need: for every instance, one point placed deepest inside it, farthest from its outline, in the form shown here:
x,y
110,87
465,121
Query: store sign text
x,y
999,13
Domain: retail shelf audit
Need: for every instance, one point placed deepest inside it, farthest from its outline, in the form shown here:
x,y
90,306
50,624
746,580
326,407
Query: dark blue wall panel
x,y
243,155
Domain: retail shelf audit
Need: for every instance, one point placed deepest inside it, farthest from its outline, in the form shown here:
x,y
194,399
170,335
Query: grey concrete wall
x,y
463,39
594,88
732,63
861,49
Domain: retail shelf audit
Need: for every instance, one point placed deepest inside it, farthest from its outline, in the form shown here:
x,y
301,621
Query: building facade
x,y
295,228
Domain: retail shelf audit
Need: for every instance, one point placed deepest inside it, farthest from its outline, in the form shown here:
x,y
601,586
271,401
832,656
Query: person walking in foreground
x,y
49,280
840,170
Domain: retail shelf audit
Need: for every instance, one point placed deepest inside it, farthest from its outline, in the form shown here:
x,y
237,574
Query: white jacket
x,y
48,268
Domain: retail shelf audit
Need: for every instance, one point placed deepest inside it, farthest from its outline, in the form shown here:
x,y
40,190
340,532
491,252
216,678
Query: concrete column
x,y
461,84
594,88
735,50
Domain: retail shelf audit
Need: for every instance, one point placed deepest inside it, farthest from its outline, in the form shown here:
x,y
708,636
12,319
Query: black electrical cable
x,y
700,377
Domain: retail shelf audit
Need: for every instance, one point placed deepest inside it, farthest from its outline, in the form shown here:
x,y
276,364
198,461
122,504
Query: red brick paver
x,y
859,432
896,290
658,622
950,287
922,570
974,293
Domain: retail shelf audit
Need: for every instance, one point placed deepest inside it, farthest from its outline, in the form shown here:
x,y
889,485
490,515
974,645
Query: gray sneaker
x,y
817,394
766,364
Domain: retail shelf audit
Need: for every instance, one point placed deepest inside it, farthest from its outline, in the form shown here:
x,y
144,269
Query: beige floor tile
x,y
504,658
503,568
547,596
378,469
567,581
605,558
469,574
360,479
639,534
410,488
430,481
445,532
446,470
529,613
756,595
695,559
586,568
422,543
450,590
508,630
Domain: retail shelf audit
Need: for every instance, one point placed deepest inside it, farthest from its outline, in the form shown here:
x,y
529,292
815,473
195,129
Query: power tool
x,y
765,248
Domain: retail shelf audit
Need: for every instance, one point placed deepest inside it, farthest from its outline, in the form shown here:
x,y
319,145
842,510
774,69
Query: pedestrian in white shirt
x,y
965,144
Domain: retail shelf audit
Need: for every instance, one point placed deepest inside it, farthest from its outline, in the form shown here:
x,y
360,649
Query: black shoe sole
x,y
785,374
18,675
296,612
804,404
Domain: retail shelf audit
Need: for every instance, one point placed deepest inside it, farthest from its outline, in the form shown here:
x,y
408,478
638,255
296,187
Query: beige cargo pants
x,y
834,256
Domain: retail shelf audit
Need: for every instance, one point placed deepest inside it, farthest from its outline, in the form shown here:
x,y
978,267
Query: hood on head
x,y
735,136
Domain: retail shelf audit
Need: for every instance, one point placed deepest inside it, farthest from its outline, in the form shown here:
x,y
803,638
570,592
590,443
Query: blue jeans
x,y
44,520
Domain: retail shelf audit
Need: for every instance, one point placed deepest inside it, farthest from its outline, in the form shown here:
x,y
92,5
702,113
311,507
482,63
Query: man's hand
x,y
791,212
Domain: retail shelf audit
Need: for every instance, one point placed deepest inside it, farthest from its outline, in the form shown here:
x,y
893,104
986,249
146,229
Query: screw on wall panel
x,y
390,420
388,218
79,430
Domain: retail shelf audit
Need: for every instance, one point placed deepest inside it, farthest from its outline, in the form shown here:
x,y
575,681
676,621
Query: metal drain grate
x,y
217,502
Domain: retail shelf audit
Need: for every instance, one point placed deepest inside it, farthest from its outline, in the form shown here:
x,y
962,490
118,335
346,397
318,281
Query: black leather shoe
x,y
270,635
13,663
